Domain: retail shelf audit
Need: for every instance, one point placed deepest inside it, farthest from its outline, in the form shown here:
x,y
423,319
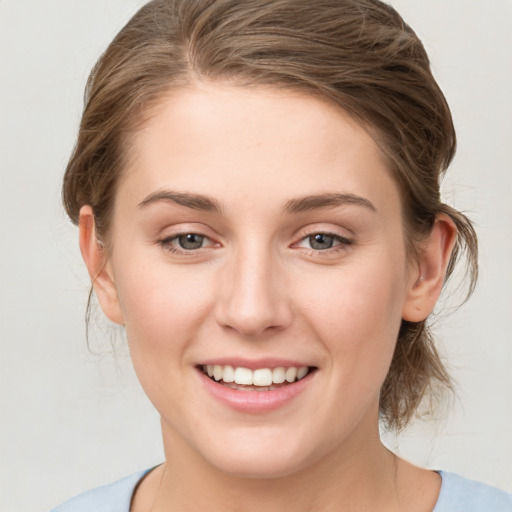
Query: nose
x,y
253,298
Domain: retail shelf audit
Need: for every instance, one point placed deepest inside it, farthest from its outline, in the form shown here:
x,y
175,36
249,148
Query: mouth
x,y
260,379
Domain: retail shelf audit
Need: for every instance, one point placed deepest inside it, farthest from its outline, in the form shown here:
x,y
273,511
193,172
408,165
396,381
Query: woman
x,y
256,185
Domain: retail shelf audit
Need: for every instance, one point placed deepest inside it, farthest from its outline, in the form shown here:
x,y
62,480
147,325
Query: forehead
x,y
263,142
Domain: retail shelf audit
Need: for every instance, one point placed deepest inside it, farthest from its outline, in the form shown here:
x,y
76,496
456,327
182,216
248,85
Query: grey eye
x,y
321,241
190,241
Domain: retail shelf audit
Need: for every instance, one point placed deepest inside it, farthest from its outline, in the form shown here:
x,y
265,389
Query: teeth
x,y
278,375
243,376
262,377
301,373
291,374
217,372
228,374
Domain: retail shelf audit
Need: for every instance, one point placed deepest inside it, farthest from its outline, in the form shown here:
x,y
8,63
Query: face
x,y
258,234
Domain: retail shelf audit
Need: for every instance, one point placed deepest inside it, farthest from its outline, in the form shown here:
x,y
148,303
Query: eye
x,y
185,243
190,241
323,241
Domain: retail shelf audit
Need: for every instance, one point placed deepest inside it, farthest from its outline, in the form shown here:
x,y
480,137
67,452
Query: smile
x,y
260,379
255,391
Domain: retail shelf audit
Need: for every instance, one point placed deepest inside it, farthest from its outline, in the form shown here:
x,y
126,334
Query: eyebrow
x,y
298,205
194,201
316,202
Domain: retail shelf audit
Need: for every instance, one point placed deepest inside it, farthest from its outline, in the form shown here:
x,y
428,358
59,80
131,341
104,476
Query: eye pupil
x,y
191,241
321,241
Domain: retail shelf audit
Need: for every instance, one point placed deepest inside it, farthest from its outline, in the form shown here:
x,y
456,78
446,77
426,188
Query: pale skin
x,y
298,254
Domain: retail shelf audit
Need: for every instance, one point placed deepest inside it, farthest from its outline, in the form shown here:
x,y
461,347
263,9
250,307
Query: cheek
x,y
357,314
162,306
163,310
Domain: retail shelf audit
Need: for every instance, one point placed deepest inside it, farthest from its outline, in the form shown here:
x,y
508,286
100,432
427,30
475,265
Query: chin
x,y
260,458
258,467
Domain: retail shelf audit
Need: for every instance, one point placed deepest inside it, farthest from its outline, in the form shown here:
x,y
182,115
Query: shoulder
x,y
115,497
460,494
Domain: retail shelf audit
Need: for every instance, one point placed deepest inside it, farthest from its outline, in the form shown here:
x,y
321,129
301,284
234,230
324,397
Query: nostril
x,y
250,300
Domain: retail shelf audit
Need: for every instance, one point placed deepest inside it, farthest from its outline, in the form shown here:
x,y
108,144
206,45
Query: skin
x,y
257,288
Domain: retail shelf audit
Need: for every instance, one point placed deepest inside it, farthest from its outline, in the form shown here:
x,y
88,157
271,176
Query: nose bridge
x,y
253,298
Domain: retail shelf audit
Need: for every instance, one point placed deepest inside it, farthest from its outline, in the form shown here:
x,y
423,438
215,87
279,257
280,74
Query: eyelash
x,y
166,243
340,243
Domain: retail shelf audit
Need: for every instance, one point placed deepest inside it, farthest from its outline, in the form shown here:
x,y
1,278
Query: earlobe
x,y
98,266
428,277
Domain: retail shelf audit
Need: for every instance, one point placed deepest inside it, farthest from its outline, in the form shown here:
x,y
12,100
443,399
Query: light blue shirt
x,y
457,494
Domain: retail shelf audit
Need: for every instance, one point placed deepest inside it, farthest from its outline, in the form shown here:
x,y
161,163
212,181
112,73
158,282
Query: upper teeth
x,y
259,377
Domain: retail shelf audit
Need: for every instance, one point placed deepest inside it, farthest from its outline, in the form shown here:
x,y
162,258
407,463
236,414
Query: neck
x,y
357,476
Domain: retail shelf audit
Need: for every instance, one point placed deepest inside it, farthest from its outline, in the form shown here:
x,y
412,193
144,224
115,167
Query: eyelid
x,y
167,241
339,233
180,228
170,236
326,233
342,242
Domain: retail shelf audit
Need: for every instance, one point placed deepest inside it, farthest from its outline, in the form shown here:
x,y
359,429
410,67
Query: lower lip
x,y
255,401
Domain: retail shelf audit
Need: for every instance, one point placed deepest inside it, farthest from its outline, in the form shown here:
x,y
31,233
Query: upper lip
x,y
254,364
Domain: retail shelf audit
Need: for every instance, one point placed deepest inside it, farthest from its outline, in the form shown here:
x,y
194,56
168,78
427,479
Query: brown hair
x,y
357,54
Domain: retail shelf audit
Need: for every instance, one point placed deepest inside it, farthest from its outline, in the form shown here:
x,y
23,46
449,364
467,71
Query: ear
x,y
100,271
427,277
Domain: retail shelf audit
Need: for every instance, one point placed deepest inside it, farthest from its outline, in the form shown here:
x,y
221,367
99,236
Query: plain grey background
x,y
71,420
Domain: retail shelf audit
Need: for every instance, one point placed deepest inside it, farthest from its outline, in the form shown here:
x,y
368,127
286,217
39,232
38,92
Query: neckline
x,y
143,474
442,474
